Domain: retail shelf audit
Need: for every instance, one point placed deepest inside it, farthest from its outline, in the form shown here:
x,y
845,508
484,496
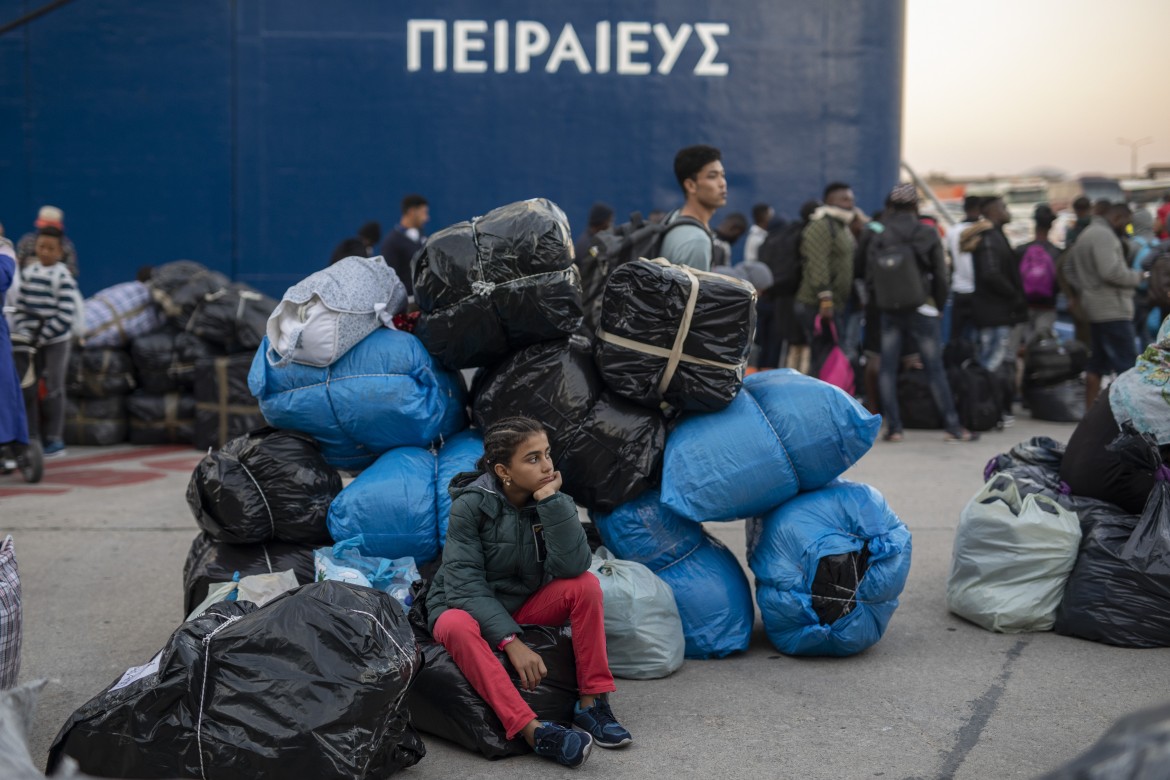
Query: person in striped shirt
x,y
45,311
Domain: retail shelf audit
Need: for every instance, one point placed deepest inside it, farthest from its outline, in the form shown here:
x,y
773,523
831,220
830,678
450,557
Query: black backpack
x,y
1160,281
781,253
978,396
896,275
620,245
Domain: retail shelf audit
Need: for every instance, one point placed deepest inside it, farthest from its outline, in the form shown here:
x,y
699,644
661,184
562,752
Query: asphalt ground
x,y
101,544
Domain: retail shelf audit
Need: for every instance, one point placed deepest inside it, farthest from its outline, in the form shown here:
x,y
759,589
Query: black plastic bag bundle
x,y
1119,590
443,703
209,562
1035,466
180,286
916,403
674,337
608,450
310,685
96,422
99,373
1048,360
1137,747
234,318
1060,402
268,485
497,284
224,406
160,419
153,356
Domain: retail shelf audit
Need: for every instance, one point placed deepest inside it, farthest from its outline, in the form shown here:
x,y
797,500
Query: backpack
x,y
1160,281
620,245
781,253
895,273
1038,274
978,396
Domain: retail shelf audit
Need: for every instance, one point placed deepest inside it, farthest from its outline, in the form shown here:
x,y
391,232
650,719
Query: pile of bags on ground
x,y
1052,385
166,361
1029,556
347,389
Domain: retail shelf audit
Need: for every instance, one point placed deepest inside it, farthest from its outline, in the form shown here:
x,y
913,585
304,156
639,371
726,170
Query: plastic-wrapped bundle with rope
x,y
496,284
829,567
674,337
119,314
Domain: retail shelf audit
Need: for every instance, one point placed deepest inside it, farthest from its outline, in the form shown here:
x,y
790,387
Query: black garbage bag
x,y
1119,590
233,318
443,703
496,284
224,406
310,685
96,422
608,450
915,403
1060,402
674,337
209,562
153,356
161,419
267,485
99,373
1034,464
179,287
1137,747
1049,361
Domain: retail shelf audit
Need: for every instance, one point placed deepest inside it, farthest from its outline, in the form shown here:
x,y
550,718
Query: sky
x,y
1004,86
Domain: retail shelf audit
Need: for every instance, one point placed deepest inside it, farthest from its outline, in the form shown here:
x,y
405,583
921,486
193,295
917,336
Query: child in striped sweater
x,y
45,311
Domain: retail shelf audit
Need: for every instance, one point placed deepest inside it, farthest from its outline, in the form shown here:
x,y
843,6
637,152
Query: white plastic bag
x,y
321,318
1011,558
257,588
643,630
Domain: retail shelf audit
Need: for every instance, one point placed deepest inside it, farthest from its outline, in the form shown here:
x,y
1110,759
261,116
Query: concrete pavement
x,y
101,544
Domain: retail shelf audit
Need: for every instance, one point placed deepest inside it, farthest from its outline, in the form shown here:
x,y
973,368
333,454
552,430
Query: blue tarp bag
x,y
710,588
458,454
399,506
829,567
386,392
784,433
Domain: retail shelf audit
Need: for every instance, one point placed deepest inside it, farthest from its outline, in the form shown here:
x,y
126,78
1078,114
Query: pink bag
x,y
828,360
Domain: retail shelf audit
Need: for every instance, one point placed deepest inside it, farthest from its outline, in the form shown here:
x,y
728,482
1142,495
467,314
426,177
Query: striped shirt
x,y
46,292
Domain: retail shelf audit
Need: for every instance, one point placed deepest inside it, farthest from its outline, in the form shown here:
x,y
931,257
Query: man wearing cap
x,y
48,216
902,228
1037,260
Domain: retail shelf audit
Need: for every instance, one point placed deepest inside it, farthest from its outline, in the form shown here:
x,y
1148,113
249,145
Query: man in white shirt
x,y
762,215
963,274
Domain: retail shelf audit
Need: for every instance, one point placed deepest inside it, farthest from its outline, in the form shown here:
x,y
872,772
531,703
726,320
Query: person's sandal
x,y
893,437
961,436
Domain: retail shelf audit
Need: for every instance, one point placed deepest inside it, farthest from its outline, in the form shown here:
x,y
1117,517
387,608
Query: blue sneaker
x,y
54,449
598,721
565,746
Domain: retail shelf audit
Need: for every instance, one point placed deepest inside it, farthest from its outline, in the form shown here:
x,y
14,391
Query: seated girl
x,y
516,553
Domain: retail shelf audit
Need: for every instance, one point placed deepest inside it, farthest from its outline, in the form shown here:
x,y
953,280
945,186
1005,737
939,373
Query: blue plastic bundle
x,y
712,592
399,506
829,567
384,393
784,433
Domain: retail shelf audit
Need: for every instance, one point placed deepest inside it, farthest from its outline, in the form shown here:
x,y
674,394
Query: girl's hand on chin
x,y
548,489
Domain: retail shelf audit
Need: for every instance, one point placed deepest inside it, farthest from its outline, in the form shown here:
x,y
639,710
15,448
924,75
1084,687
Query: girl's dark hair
x,y
502,437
